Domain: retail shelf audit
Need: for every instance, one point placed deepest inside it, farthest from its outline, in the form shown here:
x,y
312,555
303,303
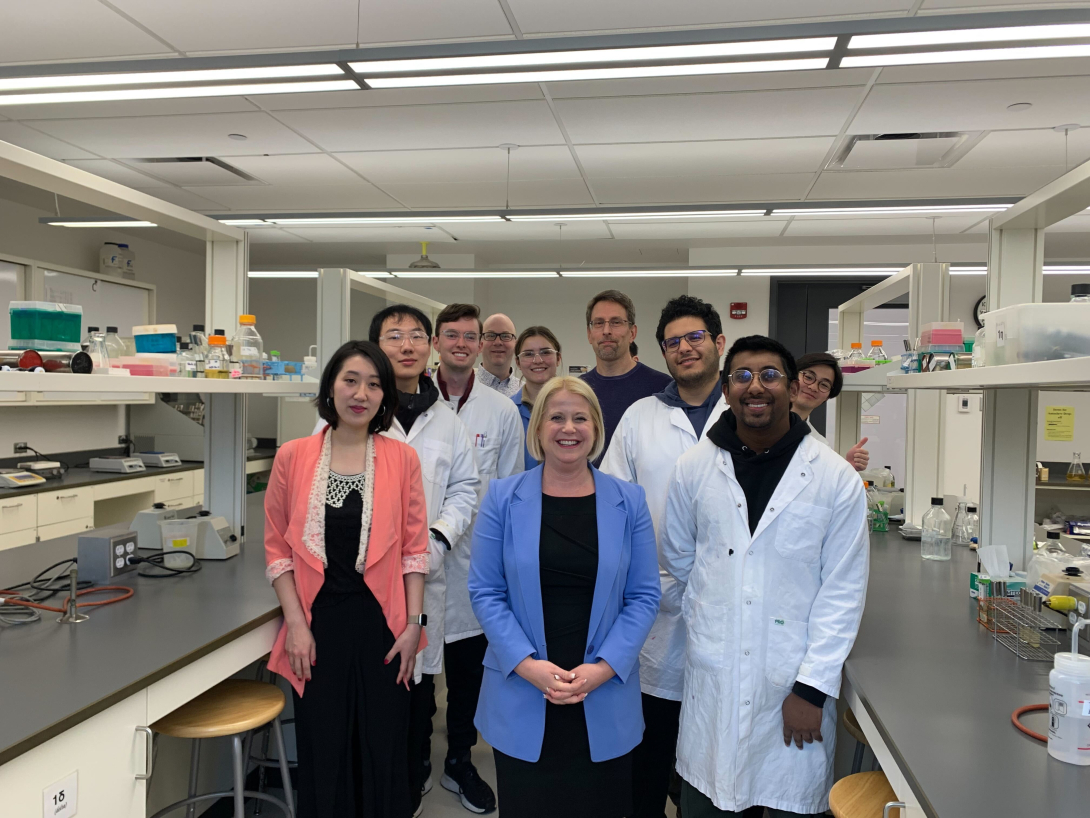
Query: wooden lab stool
x,y
863,795
232,708
851,724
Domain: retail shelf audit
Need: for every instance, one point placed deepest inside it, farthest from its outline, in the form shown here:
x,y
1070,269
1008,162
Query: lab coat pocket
x,y
799,532
706,629
436,461
785,652
487,459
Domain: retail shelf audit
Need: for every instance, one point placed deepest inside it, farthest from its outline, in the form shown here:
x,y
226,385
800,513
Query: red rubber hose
x,y
1016,717
125,594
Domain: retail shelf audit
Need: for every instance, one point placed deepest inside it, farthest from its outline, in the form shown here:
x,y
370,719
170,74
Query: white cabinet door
x,y
106,753
49,532
17,538
18,513
64,505
173,486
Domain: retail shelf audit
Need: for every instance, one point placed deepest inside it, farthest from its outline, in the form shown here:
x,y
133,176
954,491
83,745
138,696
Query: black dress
x,y
352,721
564,780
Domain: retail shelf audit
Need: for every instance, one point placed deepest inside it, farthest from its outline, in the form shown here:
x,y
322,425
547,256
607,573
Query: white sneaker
x,y
419,811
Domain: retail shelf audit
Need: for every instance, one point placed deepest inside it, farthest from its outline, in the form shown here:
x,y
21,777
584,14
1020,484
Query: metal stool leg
x,y
285,772
857,762
239,792
194,770
265,737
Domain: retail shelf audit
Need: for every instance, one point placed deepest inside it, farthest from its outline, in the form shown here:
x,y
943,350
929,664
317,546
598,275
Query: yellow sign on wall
x,y
1060,423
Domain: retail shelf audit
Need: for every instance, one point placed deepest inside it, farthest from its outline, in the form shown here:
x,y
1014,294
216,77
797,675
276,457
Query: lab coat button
x,y
772,509
749,601
739,505
747,653
747,702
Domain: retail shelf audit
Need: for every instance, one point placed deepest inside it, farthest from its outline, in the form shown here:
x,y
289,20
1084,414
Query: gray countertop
x,y
77,477
55,676
941,690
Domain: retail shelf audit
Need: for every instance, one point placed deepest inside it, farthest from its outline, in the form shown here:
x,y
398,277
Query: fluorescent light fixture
x,y
1040,52
156,77
613,217
103,223
473,274
1049,270
366,220
277,274
374,273
677,271
570,74
821,271
179,93
601,55
892,210
969,35
968,271
242,222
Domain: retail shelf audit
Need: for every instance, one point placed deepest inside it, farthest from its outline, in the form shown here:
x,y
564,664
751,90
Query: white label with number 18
x,y
59,798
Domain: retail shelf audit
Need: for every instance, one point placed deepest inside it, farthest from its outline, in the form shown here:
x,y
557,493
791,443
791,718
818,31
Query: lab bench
x,y
74,695
83,499
934,693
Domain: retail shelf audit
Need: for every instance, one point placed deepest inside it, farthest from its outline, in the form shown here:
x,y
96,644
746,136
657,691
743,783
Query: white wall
x,y
51,429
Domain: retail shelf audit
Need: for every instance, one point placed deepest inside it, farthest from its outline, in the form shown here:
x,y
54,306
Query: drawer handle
x,y
175,479
149,753
67,496
13,505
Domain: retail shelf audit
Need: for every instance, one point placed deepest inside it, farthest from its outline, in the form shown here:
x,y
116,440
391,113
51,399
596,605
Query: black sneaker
x,y
461,777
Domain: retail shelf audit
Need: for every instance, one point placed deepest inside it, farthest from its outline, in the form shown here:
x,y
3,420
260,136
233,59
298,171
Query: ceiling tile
x,y
535,17
188,199
1004,149
296,169
529,231
743,156
266,236
1079,223
702,189
473,125
361,196
71,30
32,140
131,108
534,193
164,136
713,84
1002,69
819,112
366,234
697,230
246,25
981,106
879,226
929,183
463,165
379,97
416,20
984,5
115,172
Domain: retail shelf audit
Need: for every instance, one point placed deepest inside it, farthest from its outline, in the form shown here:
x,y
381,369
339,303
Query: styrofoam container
x,y
1036,332
161,338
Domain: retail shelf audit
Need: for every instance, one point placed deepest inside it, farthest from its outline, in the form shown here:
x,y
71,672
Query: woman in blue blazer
x,y
564,581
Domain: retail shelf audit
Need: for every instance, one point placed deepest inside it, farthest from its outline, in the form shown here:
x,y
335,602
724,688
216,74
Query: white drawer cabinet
x,y
64,505
173,486
18,513
184,502
49,532
17,538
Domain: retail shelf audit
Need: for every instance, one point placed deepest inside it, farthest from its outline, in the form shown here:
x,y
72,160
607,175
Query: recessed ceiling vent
x,y
897,151
194,171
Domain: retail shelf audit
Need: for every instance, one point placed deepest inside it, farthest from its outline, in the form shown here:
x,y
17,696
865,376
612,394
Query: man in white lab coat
x,y
495,429
449,472
765,528
653,433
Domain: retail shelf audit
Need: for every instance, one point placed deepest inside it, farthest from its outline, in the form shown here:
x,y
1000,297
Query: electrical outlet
x,y
21,448
122,440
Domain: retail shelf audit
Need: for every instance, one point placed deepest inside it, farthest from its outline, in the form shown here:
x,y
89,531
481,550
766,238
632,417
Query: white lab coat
x,y
647,443
784,607
816,435
495,431
449,473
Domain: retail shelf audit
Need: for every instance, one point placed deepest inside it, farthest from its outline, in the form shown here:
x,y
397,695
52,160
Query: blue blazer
x,y
505,588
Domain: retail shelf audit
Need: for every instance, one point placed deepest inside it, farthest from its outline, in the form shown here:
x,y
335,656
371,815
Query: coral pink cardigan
x,y
398,542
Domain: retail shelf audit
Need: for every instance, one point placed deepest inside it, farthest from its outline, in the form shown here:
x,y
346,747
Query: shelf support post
x,y
334,312
226,297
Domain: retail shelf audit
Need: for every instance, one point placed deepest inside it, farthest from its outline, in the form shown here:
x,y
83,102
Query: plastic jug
x,y
936,535
247,349
115,347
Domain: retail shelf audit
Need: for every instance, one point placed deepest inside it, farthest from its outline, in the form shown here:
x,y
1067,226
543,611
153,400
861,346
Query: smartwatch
x,y
419,619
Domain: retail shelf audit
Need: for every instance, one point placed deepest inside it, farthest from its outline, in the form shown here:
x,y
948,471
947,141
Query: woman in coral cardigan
x,y
346,544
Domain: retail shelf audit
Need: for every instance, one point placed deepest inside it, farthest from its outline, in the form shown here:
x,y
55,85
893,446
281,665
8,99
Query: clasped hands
x,y
564,686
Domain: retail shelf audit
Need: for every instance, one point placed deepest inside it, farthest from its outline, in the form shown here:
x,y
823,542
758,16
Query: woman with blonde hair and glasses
x,y
564,581
537,353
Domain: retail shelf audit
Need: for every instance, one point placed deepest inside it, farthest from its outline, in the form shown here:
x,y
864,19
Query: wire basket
x,y
1023,631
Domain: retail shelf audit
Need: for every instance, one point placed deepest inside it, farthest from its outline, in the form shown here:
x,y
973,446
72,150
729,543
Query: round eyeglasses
x,y
767,377
693,339
810,379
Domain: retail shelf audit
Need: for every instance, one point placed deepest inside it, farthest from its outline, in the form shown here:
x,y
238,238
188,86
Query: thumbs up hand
x,y
858,456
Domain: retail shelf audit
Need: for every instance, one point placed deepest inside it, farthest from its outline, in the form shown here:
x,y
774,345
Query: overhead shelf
x,y
111,384
873,379
1068,375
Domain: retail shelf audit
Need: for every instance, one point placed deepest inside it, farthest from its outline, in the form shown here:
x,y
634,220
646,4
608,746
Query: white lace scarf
x,y
314,528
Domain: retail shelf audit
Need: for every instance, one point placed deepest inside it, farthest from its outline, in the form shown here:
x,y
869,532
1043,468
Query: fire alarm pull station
x,y
739,309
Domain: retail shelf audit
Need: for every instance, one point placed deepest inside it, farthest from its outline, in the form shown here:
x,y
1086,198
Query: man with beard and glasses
x,y
618,381
765,530
652,435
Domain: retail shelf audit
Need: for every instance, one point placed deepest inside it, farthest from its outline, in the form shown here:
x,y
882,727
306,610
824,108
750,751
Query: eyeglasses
x,y
417,338
599,324
528,356
451,335
506,337
810,379
694,339
744,377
